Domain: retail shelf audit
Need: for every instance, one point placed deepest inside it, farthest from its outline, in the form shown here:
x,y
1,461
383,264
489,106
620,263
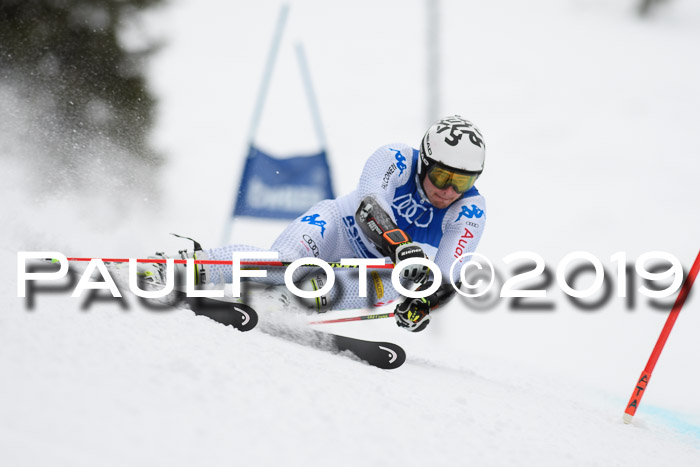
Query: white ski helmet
x,y
454,143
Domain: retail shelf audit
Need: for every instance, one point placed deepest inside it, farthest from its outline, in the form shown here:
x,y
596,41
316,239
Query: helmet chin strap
x,y
419,183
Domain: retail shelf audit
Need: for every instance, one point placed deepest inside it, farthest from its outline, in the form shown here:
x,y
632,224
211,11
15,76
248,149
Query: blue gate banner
x,y
282,188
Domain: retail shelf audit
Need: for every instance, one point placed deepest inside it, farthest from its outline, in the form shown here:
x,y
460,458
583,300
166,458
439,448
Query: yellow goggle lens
x,y
443,178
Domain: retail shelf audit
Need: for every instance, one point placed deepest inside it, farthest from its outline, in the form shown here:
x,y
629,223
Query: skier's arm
x,y
382,231
461,235
385,170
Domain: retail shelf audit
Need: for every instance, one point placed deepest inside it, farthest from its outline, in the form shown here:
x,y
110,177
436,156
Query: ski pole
x,y
335,264
354,318
638,392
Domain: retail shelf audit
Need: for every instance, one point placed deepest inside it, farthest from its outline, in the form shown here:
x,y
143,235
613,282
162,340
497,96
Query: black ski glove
x,y
418,273
413,314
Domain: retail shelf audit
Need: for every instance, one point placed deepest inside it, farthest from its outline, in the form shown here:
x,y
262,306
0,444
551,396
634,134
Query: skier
x,y
409,203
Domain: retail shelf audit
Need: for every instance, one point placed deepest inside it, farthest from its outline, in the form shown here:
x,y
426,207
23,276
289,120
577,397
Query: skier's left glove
x,y
413,314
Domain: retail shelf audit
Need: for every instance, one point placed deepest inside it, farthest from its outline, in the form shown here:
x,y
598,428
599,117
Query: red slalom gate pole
x,y
354,318
638,392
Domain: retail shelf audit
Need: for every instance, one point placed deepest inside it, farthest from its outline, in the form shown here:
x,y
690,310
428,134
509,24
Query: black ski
x,y
222,310
384,355
238,315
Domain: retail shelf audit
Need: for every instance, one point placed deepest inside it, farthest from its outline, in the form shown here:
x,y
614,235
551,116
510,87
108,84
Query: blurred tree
x,y
71,51
646,6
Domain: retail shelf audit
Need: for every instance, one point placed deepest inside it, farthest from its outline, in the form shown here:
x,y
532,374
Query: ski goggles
x,y
443,177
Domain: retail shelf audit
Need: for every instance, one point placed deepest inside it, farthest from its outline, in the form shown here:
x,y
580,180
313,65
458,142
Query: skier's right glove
x,y
418,273
413,314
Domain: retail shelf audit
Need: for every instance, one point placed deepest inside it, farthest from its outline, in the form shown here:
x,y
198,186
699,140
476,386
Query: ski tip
x,y
396,356
239,315
384,355
249,317
627,418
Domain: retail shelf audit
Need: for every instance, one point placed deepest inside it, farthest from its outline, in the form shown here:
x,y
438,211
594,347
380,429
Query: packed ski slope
x,y
589,117
118,387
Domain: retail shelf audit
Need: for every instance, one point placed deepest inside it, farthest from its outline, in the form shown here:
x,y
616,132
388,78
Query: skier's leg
x,y
379,290
334,245
222,273
318,233
315,233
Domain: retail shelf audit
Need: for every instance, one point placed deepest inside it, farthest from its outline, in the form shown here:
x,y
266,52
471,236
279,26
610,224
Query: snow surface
x,y
589,115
